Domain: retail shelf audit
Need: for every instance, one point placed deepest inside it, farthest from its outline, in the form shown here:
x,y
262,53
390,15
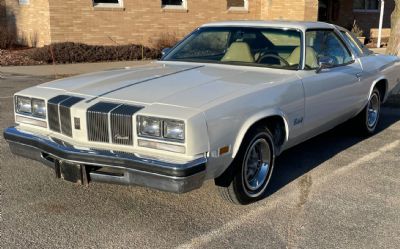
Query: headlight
x,y
149,126
23,105
30,107
174,130
168,129
38,108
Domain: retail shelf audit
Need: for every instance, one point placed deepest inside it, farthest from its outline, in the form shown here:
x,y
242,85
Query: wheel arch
x,y
382,84
275,120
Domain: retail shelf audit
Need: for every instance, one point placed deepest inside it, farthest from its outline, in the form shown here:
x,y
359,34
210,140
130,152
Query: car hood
x,y
181,84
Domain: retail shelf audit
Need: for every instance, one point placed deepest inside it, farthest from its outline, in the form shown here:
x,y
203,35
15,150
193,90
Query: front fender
x,y
254,119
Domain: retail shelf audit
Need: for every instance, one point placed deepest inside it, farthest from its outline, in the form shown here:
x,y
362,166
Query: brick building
x,y
42,22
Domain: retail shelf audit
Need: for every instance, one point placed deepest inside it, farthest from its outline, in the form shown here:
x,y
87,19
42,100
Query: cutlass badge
x,y
119,137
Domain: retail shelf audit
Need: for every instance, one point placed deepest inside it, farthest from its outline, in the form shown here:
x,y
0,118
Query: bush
x,y
70,52
166,40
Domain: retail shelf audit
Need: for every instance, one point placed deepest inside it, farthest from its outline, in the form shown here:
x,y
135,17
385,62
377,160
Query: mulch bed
x,y
16,58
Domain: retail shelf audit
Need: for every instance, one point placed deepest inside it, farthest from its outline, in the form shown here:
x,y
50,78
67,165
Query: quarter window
x,y
349,39
365,5
326,44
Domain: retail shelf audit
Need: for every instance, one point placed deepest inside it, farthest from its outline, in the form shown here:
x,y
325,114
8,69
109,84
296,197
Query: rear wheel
x,y
368,119
248,176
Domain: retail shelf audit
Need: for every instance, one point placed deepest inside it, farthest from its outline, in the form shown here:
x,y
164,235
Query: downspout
x,y
381,23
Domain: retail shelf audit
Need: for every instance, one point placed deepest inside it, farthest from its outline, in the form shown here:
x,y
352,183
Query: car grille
x,y
110,122
59,113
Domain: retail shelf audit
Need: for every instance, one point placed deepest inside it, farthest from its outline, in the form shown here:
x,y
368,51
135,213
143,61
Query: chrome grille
x,y
110,122
58,109
97,122
121,124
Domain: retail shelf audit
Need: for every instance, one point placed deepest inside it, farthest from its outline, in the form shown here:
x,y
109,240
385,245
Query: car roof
x,y
302,25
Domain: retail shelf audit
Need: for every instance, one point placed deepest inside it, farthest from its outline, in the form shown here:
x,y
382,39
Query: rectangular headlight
x,y
174,129
23,105
164,129
149,126
38,108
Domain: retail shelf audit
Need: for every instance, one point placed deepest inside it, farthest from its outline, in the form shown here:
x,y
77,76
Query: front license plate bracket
x,y
71,172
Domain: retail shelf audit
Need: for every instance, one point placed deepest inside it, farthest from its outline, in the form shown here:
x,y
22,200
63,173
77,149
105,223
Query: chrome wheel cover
x,y
256,168
373,111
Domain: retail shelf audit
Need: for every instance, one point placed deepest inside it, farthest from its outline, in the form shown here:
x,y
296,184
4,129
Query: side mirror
x,y
165,52
324,62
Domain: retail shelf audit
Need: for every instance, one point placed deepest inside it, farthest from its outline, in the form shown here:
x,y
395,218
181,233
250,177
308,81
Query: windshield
x,y
266,47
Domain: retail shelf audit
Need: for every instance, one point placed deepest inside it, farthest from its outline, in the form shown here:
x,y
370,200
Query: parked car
x,y
221,105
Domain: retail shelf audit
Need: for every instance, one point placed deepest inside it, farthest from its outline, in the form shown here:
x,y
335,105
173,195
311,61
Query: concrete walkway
x,y
69,69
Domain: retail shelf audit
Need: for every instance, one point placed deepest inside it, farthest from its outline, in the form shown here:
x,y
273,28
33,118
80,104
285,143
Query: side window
x,y
325,44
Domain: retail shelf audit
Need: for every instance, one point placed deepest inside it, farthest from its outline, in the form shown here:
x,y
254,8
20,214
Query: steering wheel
x,y
275,56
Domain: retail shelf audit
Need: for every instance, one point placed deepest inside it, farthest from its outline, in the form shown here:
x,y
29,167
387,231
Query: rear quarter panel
x,y
378,67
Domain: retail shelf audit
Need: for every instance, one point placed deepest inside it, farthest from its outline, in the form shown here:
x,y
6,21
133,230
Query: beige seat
x,y
311,57
239,51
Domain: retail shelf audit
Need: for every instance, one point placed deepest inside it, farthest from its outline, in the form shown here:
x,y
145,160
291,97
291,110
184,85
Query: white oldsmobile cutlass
x,y
222,104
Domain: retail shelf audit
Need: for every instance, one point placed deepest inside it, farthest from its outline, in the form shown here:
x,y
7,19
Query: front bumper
x,y
109,166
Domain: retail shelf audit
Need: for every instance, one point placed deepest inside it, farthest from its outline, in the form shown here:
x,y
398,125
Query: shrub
x,y
166,40
70,52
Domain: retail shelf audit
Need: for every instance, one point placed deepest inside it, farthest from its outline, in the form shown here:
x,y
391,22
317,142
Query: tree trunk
x,y
394,42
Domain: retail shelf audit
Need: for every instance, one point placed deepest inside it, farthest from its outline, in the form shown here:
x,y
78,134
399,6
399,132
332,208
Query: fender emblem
x,y
298,121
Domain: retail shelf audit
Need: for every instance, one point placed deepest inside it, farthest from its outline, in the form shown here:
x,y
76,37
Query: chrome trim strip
x,y
65,151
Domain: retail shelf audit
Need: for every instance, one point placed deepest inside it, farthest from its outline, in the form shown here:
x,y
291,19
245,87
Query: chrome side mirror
x,y
164,52
324,62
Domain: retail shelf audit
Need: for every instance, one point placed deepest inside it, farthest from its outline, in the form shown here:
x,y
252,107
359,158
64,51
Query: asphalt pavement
x,y
337,190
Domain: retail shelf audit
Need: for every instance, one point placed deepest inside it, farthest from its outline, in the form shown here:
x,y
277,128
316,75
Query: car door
x,y
331,94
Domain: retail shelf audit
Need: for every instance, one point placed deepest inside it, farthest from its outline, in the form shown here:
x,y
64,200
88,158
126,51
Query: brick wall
x,y
311,10
365,20
301,10
143,21
139,21
31,21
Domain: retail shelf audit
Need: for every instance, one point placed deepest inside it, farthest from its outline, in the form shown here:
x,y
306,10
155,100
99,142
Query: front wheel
x,y
251,169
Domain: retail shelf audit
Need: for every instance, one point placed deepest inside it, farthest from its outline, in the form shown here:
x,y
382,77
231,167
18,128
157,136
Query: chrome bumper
x,y
109,166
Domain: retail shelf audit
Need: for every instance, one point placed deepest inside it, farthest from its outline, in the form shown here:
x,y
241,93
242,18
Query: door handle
x,y
359,75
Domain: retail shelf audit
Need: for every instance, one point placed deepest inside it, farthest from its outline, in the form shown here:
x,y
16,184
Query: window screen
x,y
172,2
236,3
105,1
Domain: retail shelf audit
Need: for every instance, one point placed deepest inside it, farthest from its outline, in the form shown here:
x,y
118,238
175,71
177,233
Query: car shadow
x,y
302,158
